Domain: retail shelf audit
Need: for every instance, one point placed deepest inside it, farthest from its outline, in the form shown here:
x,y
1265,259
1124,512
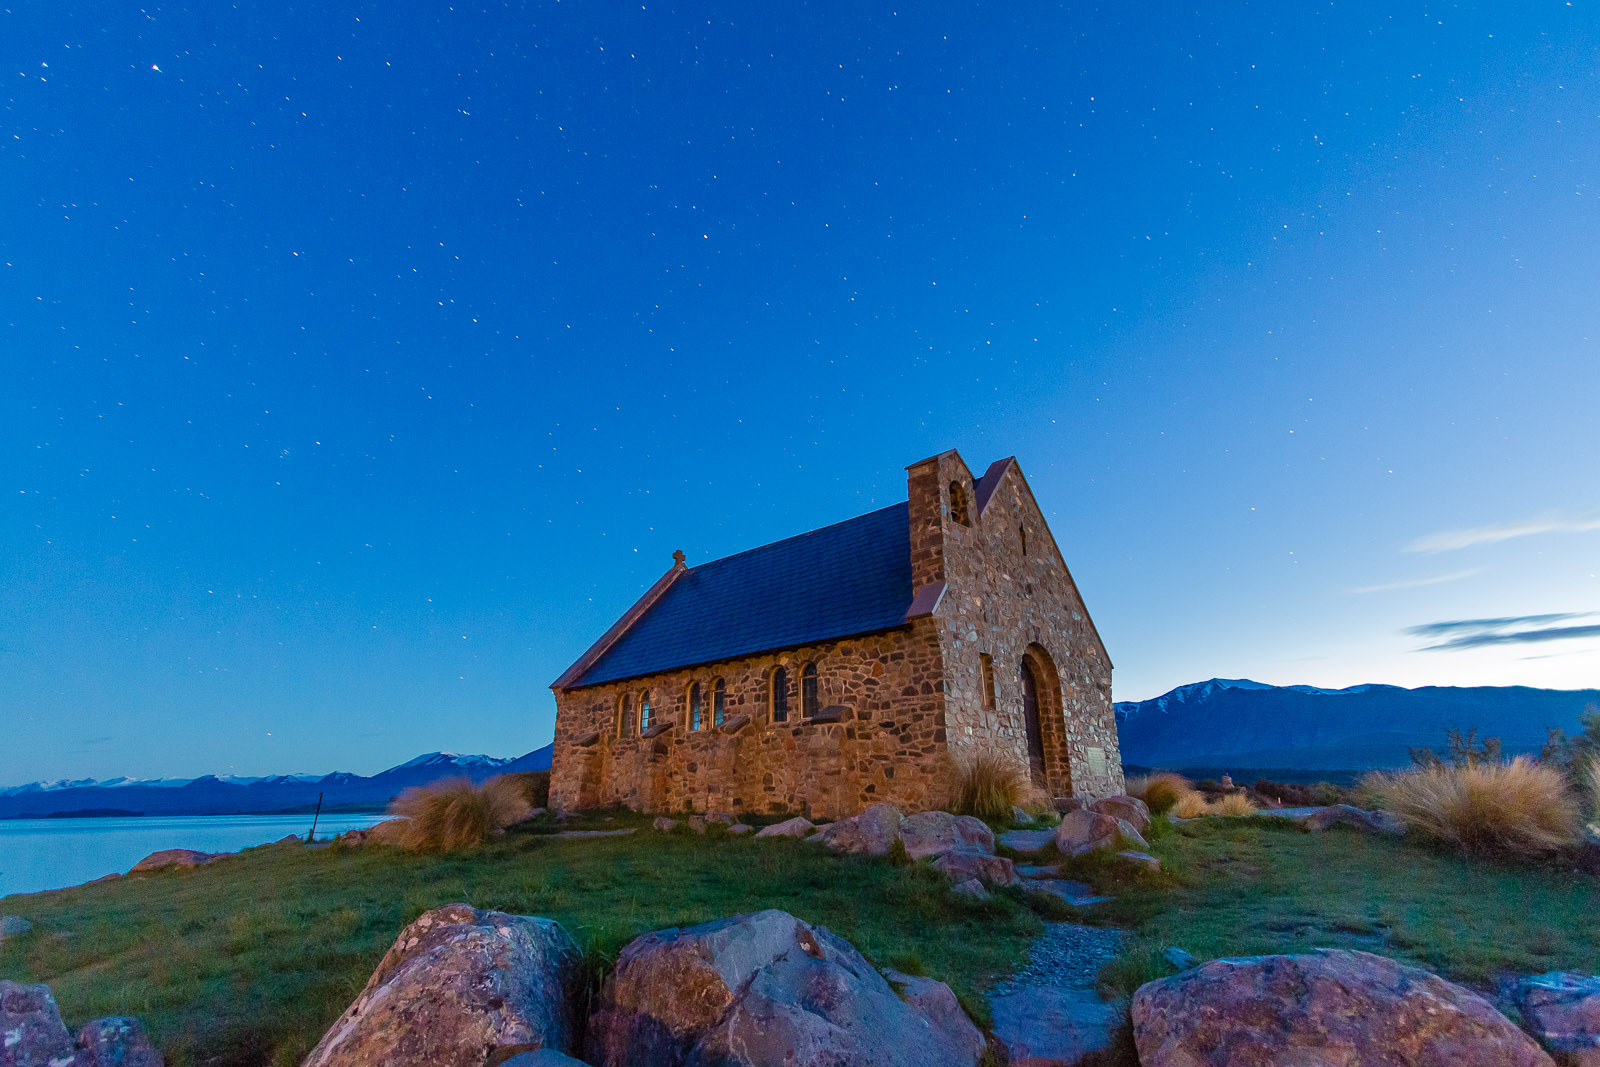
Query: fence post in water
x,y
312,836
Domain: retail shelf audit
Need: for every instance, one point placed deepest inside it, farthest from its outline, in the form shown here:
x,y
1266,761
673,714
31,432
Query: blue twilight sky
x,y
359,363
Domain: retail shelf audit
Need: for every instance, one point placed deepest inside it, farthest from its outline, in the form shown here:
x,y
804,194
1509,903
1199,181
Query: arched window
x,y
624,709
986,668
1022,535
958,504
695,722
644,711
719,702
808,690
780,694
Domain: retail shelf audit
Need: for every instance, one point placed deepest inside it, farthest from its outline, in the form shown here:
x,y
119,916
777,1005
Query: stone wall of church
x,y
1010,597
890,745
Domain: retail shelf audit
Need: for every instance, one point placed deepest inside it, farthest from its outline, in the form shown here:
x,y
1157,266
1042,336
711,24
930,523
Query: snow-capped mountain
x,y
1246,725
213,795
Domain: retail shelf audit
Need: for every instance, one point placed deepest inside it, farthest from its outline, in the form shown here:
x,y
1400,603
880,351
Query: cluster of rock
x,y
960,846
33,1035
463,987
1333,1006
1117,823
701,823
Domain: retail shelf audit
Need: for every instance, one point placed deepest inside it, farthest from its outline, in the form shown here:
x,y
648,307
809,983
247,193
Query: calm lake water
x,y
37,854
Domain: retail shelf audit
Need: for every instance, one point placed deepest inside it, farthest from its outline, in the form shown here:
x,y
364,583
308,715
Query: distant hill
x,y
211,795
1236,723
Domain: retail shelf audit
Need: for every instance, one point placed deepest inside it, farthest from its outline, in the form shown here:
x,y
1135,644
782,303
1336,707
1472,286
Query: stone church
x,y
852,664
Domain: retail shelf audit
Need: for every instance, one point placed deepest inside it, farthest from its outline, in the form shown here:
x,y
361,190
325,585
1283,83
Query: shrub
x,y
988,785
1520,808
457,813
1233,804
1160,792
1191,805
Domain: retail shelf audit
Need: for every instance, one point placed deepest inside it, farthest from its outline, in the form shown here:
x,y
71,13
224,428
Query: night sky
x,y
360,364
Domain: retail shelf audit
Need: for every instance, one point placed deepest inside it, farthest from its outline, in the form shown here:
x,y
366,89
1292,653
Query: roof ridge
x,y
798,536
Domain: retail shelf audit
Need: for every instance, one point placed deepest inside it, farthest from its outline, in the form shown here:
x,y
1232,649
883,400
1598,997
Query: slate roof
x,y
853,577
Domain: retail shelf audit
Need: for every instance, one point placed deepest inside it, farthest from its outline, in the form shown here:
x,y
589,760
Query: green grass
x,y
1249,886
248,960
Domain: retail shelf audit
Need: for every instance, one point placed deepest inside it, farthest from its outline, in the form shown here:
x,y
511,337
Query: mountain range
x,y
211,795
1240,724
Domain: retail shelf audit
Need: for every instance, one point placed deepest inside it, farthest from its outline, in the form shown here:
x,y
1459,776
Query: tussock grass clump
x,y
1520,808
457,813
988,785
1591,783
535,786
1160,792
1233,805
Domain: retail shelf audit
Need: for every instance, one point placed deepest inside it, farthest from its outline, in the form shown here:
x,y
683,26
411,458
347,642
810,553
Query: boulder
x,y
383,833
697,823
1142,859
929,833
1066,804
116,1041
1563,1011
799,826
1332,1007
759,990
1085,831
1131,810
31,1029
459,984
726,818
1131,835
934,1001
1179,959
12,925
740,828
172,857
1020,817
871,833
972,887
1372,822
963,864
664,824
33,1035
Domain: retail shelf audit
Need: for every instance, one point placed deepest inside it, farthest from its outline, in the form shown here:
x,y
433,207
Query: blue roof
x,y
853,577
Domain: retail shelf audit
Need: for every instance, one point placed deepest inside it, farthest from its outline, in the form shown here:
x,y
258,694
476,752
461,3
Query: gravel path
x,y
1066,955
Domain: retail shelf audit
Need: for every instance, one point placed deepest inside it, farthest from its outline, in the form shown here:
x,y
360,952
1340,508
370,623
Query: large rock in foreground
x,y
33,1035
1564,1011
458,985
1130,810
1333,1008
1084,831
767,990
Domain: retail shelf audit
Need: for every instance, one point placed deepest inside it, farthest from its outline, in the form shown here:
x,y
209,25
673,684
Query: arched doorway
x,y
1032,688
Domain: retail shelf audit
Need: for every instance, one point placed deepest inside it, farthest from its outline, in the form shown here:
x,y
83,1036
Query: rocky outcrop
x,y
1563,1011
932,833
1130,810
936,1002
33,1035
13,925
872,833
765,989
961,865
1372,822
172,857
458,985
799,826
1349,1007
1085,831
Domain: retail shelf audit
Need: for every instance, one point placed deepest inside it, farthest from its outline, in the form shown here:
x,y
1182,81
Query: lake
x,y
38,854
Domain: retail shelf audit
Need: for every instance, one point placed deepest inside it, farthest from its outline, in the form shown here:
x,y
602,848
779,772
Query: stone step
x,y
1052,1026
1075,893
1027,840
1026,870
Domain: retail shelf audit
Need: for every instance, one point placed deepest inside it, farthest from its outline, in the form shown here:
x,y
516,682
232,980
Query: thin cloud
x,y
1514,630
1416,583
1450,540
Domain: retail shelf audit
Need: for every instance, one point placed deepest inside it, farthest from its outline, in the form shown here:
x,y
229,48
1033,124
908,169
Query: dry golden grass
x,y
457,813
1591,782
1191,805
1160,792
1520,808
1233,804
988,785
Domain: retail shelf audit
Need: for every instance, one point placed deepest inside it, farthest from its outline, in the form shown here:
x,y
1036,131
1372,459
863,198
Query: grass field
x,y
248,960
